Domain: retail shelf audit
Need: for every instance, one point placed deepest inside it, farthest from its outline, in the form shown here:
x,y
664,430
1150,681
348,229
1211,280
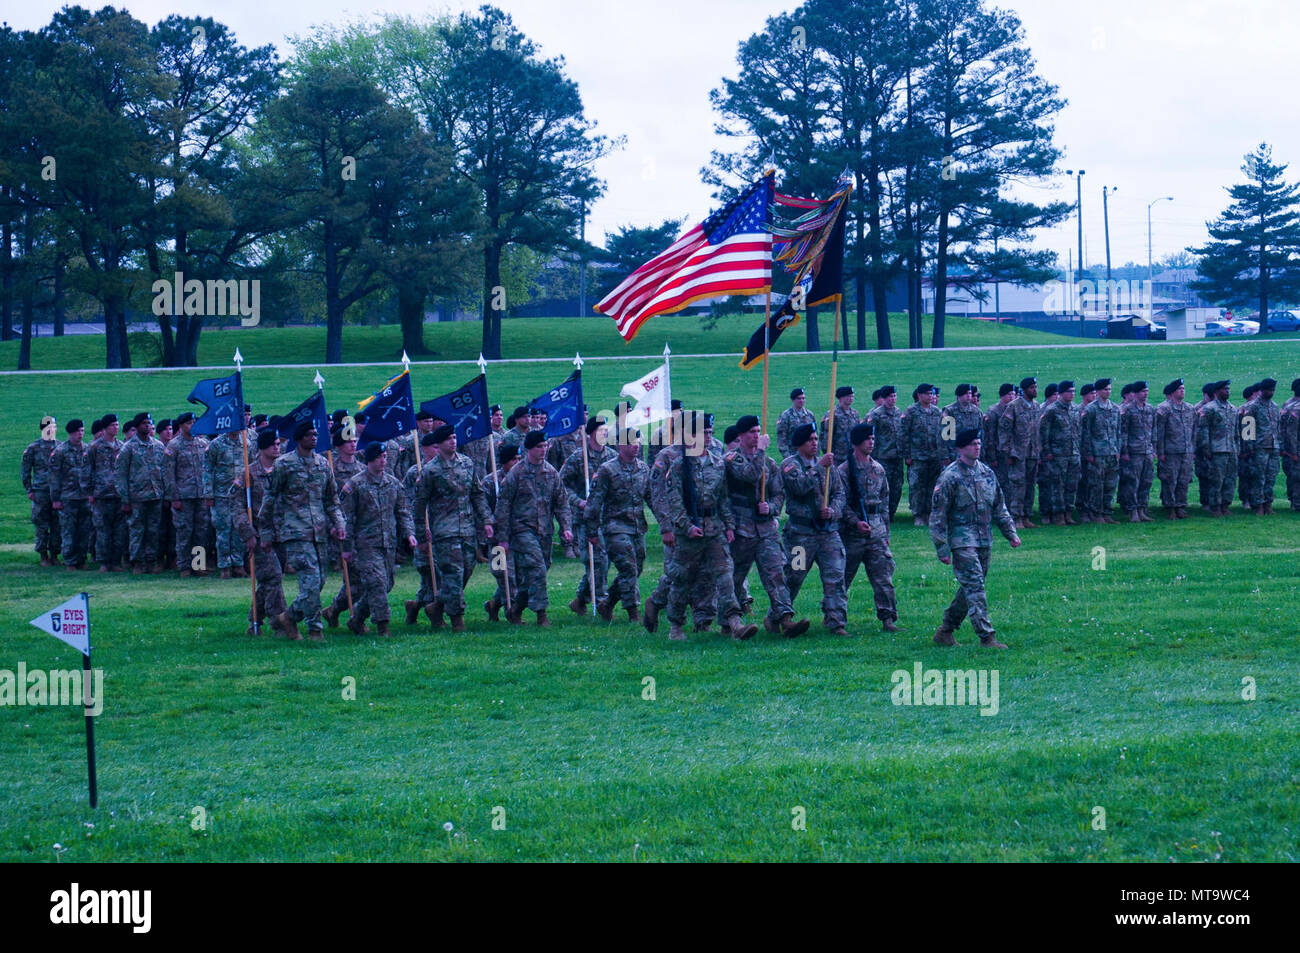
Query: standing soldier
x,y
1175,444
375,511
1289,435
183,475
450,496
222,461
142,488
532,499
302,498
863,526
266,563
1019,449
793,416
105,504
812,531
1245,454
167,535
69,487
505,575
1058,430
577,484
1006,394
36,481
967,499
1087,394
922,450
1216,445
755,493
846,418
1137,447
1202,475
425,596
887,421
1099,444
1266,419
962,414
620,492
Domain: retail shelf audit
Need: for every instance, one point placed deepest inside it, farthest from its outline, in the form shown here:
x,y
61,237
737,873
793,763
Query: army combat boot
x,y
739,630
675,632
493,610
458,623
890,625
605,608
381,629
542,621
579,605
792,629
991,642
434,612
943,636
633,614
650,615
412,612
289,626
358,626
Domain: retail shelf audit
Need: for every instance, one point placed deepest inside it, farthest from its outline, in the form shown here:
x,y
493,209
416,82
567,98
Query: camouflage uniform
x,y
704,601
703,557
1018,446
481,452
575,484
559,449
36,480
845,421
1262,452
619,495
922,444
1216,444
222,462
69,486
344,471
302,505
377,515
1137,430
1058,431
955,418
1174,438
110,521
267,565
514,438
451,494
490,494
183,477
1099,439
140,482
531,500
967,500
426,594
889,450
867,501
789,421
989,454
758,537
1289,426
819,540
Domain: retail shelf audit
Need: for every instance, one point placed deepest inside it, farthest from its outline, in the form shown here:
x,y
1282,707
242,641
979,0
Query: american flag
x,y
730,253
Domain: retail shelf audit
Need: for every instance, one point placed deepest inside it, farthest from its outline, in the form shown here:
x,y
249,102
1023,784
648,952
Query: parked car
x,y
1284,320
1226,328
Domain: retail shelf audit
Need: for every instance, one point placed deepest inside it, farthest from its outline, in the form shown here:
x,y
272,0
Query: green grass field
x,y
1123,689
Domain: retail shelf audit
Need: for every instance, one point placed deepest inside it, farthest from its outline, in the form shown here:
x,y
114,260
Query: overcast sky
x,y
1164,96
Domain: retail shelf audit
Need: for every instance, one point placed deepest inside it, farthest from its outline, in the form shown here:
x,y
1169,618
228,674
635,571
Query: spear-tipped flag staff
x,y
248,490
586,481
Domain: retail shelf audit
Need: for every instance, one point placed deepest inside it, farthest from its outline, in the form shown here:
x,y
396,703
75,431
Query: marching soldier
x,y
1099,445
480,450
375,511
887,421
863,526
755,493
1058,430
105,504
1019,449
450,496
1137,432
1175,445
793,416
846,418
514,437
141,486
922,450
1216,445
69,482
665,435
620,493
967,499
962,414
812,530
302,497
36,481
577,484
1290,441
505,575
532,499
425,596
222,461
183,476
1266,418
267,563
347,464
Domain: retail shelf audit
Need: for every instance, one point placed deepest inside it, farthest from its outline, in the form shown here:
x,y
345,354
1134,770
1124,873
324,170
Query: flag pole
x,y
433,562
90,719
248,490
830,424
586,482
767,355
329,455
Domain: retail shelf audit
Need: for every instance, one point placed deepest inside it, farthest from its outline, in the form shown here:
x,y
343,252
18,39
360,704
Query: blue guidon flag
x,y
563,406
223,402
313,409
466,409
390,411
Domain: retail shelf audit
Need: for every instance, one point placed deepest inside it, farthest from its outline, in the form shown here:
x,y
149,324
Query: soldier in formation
x,y
376,515
864,525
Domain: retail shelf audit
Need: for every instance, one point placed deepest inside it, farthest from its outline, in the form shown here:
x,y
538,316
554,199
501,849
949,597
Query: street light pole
x,y
1105,216
1078,189
1163,198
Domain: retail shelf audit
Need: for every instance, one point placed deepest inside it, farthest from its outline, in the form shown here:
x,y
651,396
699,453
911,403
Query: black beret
x,y
1051,389
443,433
507,454
1126,390
845,391
1028,382
164,423
707,420
184,418
747,423
494,409
861,432
1250,391
141,418
962,389
1087,389
1207,389
1064,386
76,423
259,420
248,408
337,416
730,434
373,450
303,429
537,410
1137,386
428,439
964,437
875,394
926,389
1268,384
360,417
510,421
109,419
1220,385
96,426
1295,388
520,411
797,392
593,423
423,415
802,434
337,438
887,390
266,437
675,404
1102,382
1173,386
534,438
1006,389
